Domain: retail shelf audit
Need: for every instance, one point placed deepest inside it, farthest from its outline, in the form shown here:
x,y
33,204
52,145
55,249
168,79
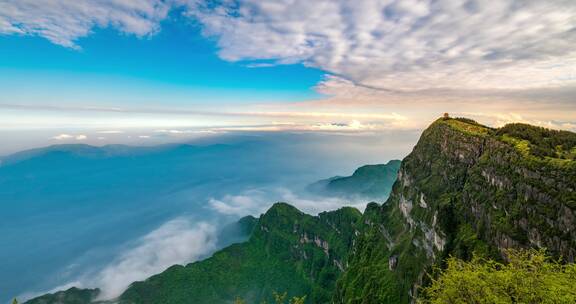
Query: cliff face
x,y
464,189
289,251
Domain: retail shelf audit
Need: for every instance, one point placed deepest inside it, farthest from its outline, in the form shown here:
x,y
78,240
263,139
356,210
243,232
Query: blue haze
x,y
69,209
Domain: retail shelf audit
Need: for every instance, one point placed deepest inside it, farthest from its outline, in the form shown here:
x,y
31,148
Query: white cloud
x,y
257,201
63,137
405,44
179,241
70,137
64,21
110,132
382,44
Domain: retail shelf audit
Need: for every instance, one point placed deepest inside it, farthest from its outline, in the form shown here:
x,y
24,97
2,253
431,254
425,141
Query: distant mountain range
x,y
466,189
70,210
372,182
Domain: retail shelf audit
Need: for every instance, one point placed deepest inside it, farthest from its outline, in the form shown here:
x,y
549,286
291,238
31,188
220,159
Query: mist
x,y
107,216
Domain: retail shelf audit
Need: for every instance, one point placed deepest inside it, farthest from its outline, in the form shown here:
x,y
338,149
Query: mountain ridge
x,y
465,190
289,251
369,182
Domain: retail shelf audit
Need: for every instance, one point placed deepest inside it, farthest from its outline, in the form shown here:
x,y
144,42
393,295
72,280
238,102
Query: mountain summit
x,y
465,189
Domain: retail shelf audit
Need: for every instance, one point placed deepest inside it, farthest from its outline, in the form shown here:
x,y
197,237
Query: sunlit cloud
x,y
70,137
62,137
110,132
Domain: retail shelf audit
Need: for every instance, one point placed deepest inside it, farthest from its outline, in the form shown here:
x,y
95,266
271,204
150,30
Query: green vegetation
x,y
370,181
71,296
466,190
522,145
466,125
543,142
279,298
288,250
540,146
529,277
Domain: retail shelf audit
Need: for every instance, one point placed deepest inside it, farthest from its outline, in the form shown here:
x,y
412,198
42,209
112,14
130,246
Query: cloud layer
x,y
257,201
405,44
64,21
176,242
383,44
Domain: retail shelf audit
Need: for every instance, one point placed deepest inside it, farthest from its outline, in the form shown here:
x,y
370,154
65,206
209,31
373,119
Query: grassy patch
x,y
467,127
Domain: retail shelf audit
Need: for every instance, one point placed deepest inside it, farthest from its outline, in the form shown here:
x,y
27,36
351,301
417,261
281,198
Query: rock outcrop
x,y
465,189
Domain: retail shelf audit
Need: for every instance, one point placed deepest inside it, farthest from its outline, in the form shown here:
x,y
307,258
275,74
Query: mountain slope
x,y
71,296
464,189
77,204
369,182
289,251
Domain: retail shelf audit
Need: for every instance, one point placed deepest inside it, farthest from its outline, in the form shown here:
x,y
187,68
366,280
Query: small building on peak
x,y
446,116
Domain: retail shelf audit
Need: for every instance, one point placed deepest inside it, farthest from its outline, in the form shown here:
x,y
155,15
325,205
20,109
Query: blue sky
x,y
177,61
70,69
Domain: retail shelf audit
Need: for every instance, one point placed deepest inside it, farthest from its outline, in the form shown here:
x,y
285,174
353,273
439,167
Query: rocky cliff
x,y
289,251
465,189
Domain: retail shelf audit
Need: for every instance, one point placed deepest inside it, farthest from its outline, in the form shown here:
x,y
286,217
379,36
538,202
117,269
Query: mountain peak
x,y
464,190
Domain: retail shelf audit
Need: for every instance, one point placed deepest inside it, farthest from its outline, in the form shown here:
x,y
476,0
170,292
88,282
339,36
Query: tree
x,y
239,301
279,298
530,276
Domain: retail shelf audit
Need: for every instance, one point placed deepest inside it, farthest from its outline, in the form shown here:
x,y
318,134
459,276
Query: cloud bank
x,y
179,241
257,201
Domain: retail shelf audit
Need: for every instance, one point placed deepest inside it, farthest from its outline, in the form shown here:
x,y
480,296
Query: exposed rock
x,y
392,262
422,202
473,190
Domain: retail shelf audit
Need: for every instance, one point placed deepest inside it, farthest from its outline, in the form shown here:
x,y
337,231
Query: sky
x,y
126,70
